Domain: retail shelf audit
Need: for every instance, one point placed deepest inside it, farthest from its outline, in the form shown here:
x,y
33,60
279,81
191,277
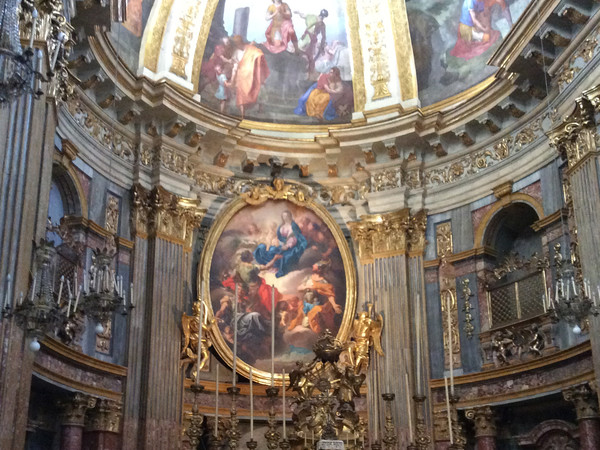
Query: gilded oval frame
x,y
297,195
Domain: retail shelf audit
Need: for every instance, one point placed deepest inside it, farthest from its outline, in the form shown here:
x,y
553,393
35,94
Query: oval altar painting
x,y
287,252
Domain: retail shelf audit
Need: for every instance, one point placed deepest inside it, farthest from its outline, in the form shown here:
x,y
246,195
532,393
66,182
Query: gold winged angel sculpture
x,y
366,332
189,339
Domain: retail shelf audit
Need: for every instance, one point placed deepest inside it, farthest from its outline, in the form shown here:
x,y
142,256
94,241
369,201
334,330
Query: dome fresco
x,y
453,40
279,61
291,61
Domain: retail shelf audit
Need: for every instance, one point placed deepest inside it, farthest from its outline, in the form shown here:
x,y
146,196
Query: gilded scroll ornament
x,y
279,190
448,299
183,36
112,214
376,45
358,78
443,237
189,340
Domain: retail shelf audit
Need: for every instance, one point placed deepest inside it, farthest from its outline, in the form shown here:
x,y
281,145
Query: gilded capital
x,y
416,233
160,213
74,409
585,401
381,235
575,137
106,416
484,420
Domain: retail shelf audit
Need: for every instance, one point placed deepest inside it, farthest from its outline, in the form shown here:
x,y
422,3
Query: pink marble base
x,y
102,440
71,437
589,434
486,443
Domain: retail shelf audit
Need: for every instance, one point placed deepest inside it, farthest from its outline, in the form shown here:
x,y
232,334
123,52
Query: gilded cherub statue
x,y
189,340
366,332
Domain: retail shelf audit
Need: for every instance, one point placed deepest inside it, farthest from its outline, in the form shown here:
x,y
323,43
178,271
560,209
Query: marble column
x,y
162,274
27,128
485,427
103,430
390,248
588,418
71,436
576,141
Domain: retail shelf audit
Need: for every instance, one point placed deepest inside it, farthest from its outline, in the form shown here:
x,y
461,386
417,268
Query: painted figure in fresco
x,y
221,57
475,32
326,98
250,71
309,42
286,255
280,31
320,309
224,84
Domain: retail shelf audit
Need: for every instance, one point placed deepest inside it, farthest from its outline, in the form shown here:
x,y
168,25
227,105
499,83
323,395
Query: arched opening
x,y
510,231
516,289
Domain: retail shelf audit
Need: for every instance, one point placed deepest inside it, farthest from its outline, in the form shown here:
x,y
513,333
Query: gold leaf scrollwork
x,y
260,193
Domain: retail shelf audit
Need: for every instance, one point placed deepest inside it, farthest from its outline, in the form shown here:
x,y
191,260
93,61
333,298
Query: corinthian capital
x,y
381,235
484,420
584,399
74,409
575,137
106,416
160,213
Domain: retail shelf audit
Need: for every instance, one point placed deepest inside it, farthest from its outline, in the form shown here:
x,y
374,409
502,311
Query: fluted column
x,y
71,433
103,430
390,248
27,128
588,419
576,140
485,427
162,276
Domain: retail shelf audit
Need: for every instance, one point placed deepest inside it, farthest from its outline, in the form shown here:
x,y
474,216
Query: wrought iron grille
x,y
518,300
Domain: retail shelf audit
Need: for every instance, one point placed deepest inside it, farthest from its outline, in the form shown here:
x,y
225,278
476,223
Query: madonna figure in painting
x,y
284,256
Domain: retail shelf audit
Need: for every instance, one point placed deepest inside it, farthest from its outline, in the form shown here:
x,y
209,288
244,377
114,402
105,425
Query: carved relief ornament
x,y
385,235
484,420
160,213
575,137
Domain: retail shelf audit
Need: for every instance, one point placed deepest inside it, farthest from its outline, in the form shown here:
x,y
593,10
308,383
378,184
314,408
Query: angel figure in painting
x,y
366,332
189,340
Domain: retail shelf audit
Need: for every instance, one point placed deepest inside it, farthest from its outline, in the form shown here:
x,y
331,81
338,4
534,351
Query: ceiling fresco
x,y
453,40
282,62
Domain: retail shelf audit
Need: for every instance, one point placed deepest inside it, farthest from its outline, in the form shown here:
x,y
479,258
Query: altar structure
x,y
279,224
